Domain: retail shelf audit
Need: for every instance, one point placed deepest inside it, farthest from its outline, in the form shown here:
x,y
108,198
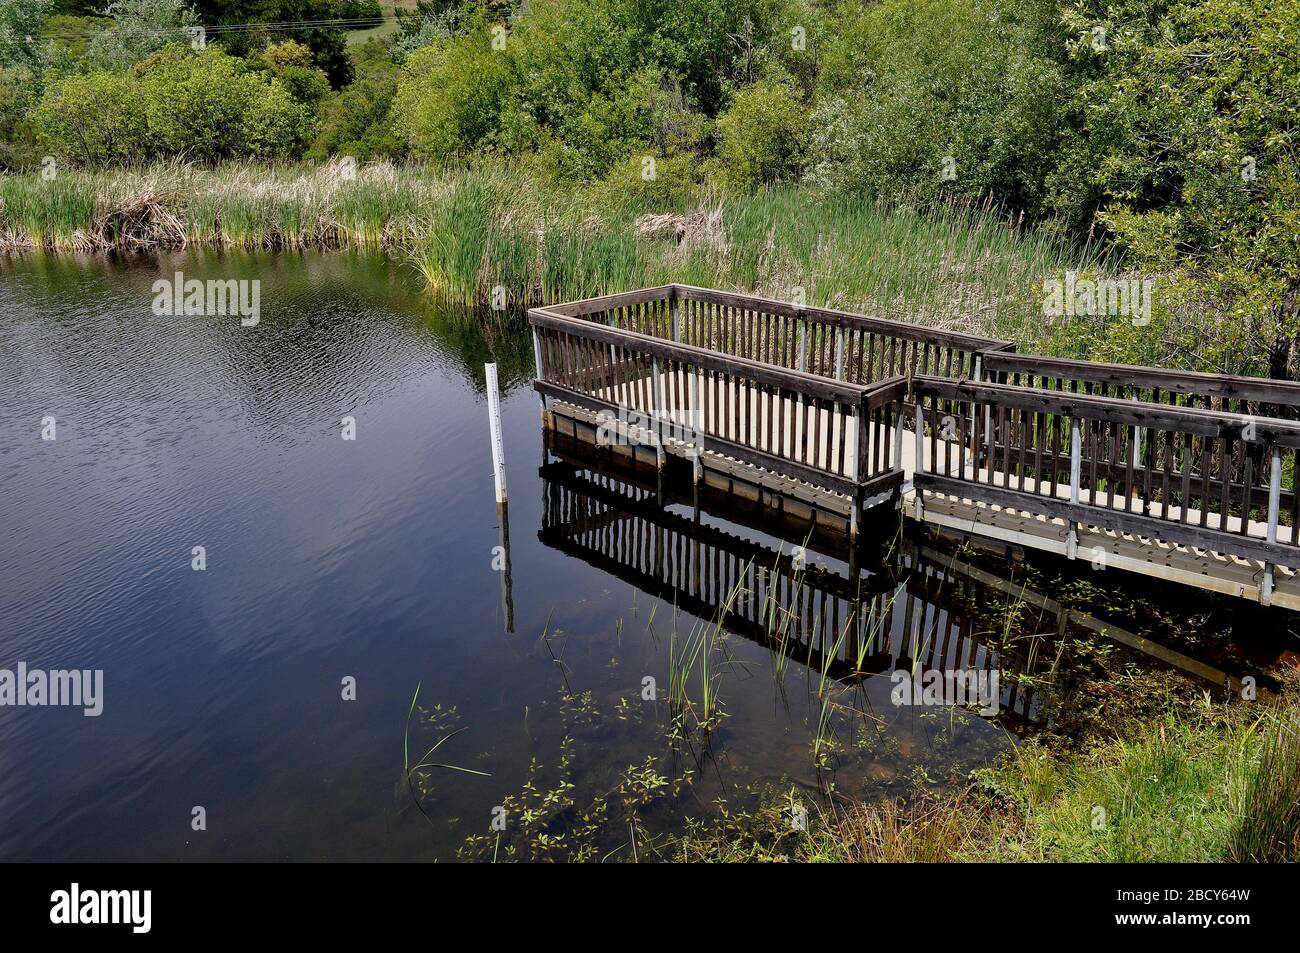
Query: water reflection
x,y
916,608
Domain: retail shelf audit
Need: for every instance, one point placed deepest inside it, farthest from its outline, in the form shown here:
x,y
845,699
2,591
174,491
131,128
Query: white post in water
x,y
494,422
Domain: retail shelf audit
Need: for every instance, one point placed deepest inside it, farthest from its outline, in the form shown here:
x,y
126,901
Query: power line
x,y
216,29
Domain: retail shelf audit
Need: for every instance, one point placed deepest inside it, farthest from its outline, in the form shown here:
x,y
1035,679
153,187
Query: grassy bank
x,y
471,232
1219,784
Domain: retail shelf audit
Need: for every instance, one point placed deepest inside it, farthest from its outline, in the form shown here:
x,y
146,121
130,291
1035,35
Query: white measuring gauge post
x,y
494,423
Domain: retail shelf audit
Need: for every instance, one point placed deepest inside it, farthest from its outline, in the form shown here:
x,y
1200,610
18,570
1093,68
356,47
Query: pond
x,y
351,610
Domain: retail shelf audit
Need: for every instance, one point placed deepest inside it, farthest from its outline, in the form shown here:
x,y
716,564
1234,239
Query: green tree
x,y
94,118
1187,154
212,106
940,97
762,135
20,33
140,27
449,97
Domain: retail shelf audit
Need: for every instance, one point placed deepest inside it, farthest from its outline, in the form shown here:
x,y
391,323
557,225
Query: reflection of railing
x,y
1198,478
919,609
851,628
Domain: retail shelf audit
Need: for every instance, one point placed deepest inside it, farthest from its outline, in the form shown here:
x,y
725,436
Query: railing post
x,y
1137,459
896,426
920,457
673,312
657,414
537,363
856,501
803,345
839,354
696,425
1274,505
1076,469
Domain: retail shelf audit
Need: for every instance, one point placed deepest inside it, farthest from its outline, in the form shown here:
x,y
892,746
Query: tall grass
x,y
471,231
1268,825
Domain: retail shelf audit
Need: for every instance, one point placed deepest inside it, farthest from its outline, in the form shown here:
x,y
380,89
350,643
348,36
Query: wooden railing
x,y
1251,396
829,433
835,344
1209,479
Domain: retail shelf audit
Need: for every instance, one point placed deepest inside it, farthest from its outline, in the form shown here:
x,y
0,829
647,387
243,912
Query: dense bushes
x,y
449,98
206,106
761,136
933,97
577,86
1188,150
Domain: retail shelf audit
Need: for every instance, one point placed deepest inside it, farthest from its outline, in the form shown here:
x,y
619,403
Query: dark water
x,y
376,559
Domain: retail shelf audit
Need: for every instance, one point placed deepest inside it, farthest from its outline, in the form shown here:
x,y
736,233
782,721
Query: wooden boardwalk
x,y
1187,477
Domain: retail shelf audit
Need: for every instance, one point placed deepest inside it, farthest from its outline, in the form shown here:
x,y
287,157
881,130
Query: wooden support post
x,y
855,503
839,354
920,458
1274,501
673,312
1076,471
537,362
494,423
657,413
803,345
696,428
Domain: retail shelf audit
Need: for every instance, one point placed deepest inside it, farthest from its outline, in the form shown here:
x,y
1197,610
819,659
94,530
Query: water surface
x,y
377,560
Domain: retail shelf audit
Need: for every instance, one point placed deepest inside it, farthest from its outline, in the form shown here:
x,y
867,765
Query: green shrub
x,y
206,106
762,136
211,106
1187,157
355,121
94,119
938,97
448,98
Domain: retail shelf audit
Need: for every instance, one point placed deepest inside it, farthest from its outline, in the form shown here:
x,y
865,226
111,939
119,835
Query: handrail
x,y
811,384
829,433
1196,420
606,302
845,319
1136,375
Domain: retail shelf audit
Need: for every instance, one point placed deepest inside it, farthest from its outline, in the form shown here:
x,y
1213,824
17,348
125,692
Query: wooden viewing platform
x,y
1187,477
